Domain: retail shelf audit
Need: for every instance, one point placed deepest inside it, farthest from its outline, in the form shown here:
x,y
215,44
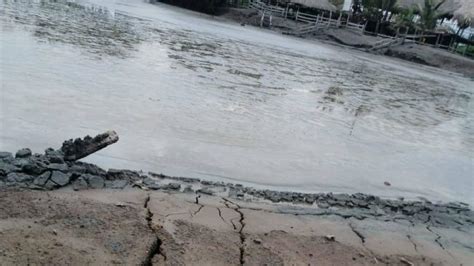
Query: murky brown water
x,y
195,96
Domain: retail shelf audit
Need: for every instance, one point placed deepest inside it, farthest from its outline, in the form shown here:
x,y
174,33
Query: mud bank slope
x,y
82,214
410,52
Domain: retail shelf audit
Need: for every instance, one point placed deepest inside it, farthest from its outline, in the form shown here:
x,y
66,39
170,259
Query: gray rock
x,y
172,186
188,189
87,168
50,185
58,167
94,181
275,197
206,191
52,153
116,184
18,178
42,179
234,193
49,151
148,181
20,162
80,184
5,155
154,186
323,205
23,153
6,168
309,199
61,178
33,168
114,174
77,169
56,159
188,179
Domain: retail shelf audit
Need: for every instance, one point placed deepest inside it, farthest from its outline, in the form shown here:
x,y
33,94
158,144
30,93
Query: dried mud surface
x,y
136,227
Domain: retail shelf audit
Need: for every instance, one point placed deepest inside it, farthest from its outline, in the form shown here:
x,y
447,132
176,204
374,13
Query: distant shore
x,y
420,54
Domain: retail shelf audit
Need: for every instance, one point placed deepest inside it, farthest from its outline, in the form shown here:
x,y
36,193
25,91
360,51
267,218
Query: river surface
x,y
197,96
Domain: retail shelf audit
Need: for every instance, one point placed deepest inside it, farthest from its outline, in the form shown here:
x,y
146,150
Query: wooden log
x,y
80,148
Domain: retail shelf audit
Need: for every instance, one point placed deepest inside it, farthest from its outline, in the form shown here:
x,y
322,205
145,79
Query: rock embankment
x,y
54,169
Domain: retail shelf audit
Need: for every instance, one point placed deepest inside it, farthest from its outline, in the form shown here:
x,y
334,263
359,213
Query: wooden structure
x,y
307,23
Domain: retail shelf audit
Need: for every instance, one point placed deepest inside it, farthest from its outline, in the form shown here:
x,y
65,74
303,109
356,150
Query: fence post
x,y
329,19
437,41
297,12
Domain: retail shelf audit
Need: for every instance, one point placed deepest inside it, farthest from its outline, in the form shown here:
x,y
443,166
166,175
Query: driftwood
x,y
79,148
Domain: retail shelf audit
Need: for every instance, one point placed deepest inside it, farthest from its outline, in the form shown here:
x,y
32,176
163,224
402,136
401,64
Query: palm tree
x,y
430,13
378,10
405,20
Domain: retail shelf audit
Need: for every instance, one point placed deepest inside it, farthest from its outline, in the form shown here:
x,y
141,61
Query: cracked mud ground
x,y
135,227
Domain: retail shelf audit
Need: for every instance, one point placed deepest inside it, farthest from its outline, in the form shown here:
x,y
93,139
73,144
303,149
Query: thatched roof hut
x,y
448,7
465,12
319,4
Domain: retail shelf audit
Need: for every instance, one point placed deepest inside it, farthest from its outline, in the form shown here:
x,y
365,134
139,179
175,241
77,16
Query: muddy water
x,y
198,96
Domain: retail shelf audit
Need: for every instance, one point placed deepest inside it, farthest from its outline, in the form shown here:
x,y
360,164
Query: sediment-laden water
x,y
197,96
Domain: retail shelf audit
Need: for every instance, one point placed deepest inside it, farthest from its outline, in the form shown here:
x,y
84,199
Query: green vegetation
x,y
429,13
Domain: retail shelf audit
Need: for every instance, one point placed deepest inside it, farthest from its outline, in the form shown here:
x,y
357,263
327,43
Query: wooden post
x,y
286,10
339,20
437,40
297,12
329,20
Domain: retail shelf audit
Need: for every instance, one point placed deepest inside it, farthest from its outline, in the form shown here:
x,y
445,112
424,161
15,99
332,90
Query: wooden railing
x,y
306,18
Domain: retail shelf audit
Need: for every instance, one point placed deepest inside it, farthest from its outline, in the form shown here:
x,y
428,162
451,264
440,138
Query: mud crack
x,y
200,206
437,240
242,225
358,233
413,243
220,215
155,248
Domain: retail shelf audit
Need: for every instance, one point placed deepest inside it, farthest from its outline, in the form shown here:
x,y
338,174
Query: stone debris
x,y
23,153
330,238
79,148
406,262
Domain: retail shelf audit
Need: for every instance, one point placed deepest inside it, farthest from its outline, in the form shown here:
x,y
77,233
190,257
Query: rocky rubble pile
x,y
51,171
